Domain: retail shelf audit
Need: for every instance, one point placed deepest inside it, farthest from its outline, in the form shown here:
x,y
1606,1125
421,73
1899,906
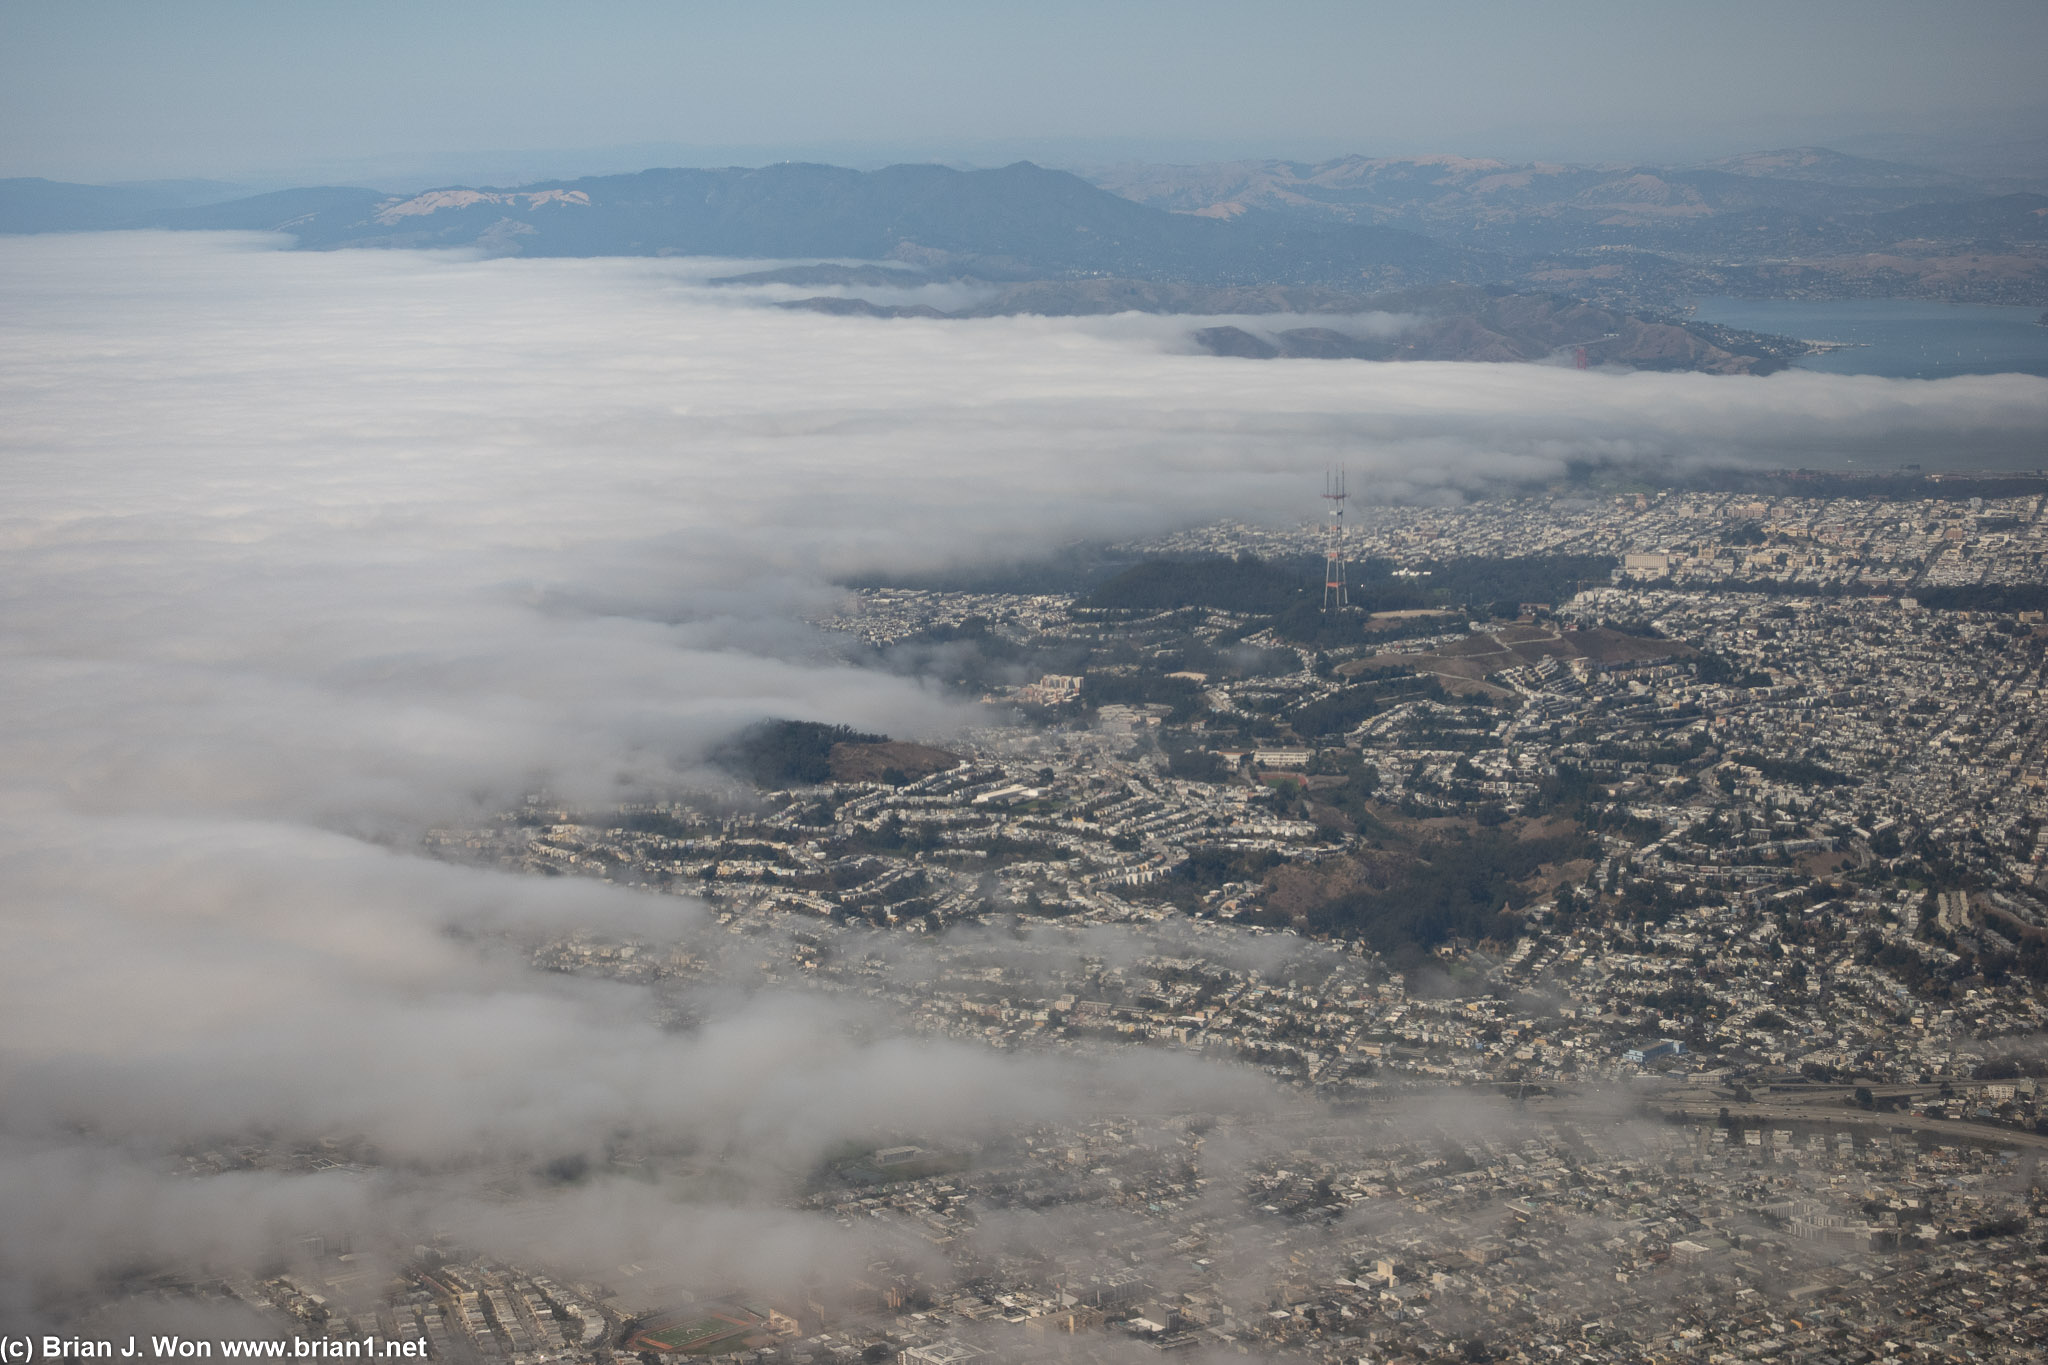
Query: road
x,y
1824,1104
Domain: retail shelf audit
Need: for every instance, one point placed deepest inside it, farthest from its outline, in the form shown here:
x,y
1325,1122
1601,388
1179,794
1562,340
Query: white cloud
x,y
305,549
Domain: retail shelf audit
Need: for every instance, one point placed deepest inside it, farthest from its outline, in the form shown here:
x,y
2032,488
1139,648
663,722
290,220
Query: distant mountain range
x,y
1015,223
1507,205
1266,237
1799,222
32,205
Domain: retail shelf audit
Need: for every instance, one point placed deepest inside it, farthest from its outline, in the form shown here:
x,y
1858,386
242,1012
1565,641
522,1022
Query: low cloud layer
x,y
303,552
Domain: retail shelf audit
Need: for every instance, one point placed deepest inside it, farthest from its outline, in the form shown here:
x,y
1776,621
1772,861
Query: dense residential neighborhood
x,y
1658,968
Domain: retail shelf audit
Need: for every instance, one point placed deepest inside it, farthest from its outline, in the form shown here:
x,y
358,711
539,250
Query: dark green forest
x,y
1292,589
1464,888
1999,597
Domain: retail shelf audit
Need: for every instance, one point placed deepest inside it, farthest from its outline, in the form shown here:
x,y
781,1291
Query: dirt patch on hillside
x,y
1612,647
867,762
1387,620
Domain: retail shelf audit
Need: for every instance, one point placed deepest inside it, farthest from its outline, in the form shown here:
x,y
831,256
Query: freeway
x,y
1820,1104
1826,1104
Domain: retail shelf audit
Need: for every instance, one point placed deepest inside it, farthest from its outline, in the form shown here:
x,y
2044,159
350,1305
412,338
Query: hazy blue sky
x,y
96,89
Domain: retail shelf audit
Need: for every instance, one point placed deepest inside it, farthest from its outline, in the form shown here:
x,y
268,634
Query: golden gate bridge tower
x,y
1334,592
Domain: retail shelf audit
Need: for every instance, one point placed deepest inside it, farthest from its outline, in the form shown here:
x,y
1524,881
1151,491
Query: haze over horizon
x,y
401,96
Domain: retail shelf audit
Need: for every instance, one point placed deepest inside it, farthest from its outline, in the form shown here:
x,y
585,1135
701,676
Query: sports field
x,y
703,1334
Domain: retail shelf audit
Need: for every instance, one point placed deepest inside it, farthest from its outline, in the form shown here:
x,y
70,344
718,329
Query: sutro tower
x,y
1334,594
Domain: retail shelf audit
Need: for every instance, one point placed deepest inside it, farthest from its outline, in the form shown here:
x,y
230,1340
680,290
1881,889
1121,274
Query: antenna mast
x,y
1334,592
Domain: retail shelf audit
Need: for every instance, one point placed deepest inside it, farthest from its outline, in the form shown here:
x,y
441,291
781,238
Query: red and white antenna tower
x,y
1334,593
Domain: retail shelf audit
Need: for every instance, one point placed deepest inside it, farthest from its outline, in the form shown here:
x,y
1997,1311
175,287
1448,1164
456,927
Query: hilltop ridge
x,y
1797,222
1501,261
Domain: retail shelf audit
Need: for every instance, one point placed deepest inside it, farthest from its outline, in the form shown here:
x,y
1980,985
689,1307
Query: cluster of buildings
x,y
1426,1227
1420,1234
1750,1070
1068,816
1813,542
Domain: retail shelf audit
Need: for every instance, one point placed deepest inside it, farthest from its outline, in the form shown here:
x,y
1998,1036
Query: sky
x,y
400,93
